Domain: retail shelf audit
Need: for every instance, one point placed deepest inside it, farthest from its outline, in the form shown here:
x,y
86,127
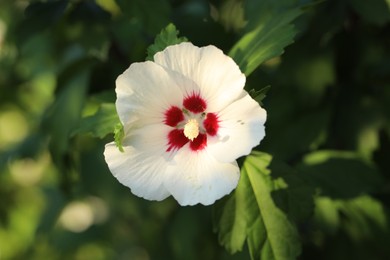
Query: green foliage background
x,y
319,188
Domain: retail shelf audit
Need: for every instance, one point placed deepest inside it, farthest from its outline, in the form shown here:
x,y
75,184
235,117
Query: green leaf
x,y
359,226
100,124
361,218
168,36
305,132
118,136
339,174
61,118
252,214
265,41
326,215
367,218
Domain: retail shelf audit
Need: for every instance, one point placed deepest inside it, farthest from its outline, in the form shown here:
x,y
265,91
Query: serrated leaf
x,y
100,124
168,36
267,40
251,213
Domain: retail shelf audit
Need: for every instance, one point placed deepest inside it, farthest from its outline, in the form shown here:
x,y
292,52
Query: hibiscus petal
x,y
217,75
146,90
241,127
196,177
142,174
142,166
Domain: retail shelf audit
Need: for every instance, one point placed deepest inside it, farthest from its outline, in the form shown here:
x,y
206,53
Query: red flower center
x,y
194,107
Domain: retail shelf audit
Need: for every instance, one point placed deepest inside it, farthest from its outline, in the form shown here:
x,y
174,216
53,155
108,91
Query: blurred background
x,y
328,119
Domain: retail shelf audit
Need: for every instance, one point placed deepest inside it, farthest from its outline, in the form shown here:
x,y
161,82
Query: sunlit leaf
x,y
267,40
252,214
168,36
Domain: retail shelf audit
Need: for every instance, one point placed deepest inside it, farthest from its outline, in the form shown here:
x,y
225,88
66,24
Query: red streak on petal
x,y
195,103
199,143
173,116
176,139
211,124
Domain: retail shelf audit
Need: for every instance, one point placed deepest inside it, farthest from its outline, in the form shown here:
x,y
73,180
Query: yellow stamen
x,y
191,129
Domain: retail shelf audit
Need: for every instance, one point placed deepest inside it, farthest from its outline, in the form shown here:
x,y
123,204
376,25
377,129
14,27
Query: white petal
x,y
196,177
241,128
183,58
146,90
217,75
141,166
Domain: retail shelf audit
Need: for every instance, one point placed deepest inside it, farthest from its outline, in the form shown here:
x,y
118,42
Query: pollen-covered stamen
x,y
191,129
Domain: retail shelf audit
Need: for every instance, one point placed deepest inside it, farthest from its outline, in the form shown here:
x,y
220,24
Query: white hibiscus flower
x,y
186,118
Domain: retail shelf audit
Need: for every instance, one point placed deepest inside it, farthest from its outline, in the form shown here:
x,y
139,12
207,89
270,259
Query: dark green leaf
x,y
291,193
102,123
304,132
39,16
168,36
339,174
375,11
152,14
